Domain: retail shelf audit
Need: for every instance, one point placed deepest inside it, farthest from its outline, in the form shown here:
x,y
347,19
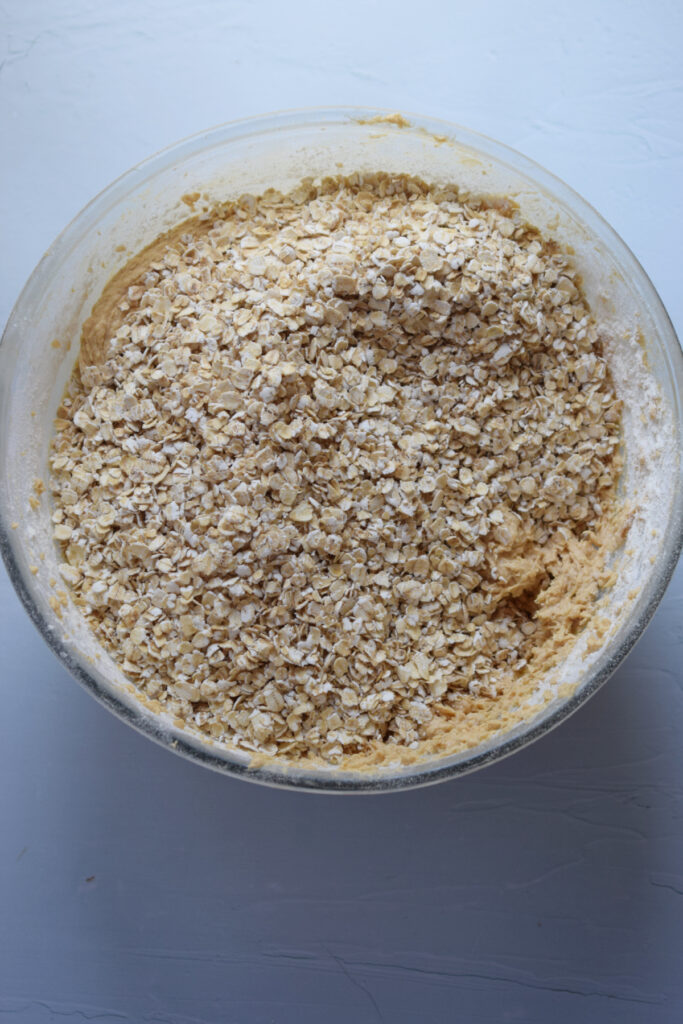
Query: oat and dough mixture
x,y
335,476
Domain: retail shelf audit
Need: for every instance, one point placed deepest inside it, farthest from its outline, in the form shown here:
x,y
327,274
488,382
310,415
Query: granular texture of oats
x,y
324,459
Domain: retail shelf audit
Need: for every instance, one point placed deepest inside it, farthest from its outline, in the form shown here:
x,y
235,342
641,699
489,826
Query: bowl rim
x,y
397,777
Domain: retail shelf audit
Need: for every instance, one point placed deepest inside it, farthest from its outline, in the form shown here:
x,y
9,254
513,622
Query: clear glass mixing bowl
x,y
278,151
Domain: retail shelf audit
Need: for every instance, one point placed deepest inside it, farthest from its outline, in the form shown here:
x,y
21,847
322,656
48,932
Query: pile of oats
x,y
293,494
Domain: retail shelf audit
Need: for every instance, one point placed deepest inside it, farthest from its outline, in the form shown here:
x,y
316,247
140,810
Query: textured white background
x,y
136,887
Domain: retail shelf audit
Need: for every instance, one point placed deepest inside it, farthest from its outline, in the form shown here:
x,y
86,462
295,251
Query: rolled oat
x,y
329,459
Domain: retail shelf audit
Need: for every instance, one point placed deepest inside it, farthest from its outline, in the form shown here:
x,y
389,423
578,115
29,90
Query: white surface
x,y
549,887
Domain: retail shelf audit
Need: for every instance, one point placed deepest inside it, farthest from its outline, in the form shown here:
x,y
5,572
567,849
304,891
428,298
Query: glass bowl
x,y
40,346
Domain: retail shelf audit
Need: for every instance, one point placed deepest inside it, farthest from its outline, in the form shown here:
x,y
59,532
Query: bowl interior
x,y
41,344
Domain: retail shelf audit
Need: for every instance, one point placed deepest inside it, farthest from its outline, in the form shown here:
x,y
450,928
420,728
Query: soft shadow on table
x,y
539,887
